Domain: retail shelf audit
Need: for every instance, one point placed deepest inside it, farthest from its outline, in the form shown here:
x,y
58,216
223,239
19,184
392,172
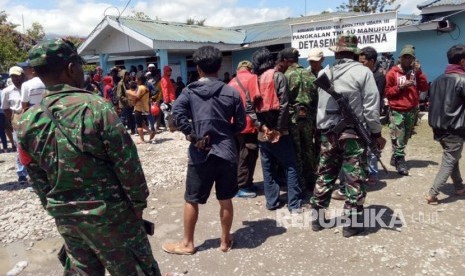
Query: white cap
x,y
151,65
16,70
315,54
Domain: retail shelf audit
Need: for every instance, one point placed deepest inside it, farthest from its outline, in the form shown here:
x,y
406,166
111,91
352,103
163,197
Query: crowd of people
x,y
73,138
149,87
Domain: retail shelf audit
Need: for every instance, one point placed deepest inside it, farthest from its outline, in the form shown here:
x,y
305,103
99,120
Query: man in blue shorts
x,y
210,113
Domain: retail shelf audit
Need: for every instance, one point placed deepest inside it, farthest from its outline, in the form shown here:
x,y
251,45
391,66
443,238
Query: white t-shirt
x,y
32,91
11,98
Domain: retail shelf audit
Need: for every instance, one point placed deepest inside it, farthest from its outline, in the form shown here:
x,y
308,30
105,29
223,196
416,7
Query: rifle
x,y
349,117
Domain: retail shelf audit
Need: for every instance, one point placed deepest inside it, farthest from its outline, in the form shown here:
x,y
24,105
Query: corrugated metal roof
x,y
171,31
252,33
281,28
437,3
407,19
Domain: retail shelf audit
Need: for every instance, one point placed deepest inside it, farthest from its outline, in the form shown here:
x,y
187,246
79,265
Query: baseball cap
x,y
53,51
315,54
16,70
151,65
408,50
346,43
245,64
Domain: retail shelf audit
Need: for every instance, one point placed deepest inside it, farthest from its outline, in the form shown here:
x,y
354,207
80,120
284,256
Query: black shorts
x,y
200,179
140,119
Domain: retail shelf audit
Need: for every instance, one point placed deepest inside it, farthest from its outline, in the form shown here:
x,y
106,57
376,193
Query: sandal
x,y
176,248
431,200
460,192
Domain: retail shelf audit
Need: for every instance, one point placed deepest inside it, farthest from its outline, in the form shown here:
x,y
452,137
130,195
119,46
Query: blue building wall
x,y
431,47
237,57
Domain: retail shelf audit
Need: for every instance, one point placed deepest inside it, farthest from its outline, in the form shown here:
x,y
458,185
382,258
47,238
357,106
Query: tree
x,y
36,32
193,21
77,41
367,6
139,15
13,45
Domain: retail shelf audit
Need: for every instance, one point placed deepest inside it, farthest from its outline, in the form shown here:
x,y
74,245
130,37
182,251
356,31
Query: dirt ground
x,y
429,240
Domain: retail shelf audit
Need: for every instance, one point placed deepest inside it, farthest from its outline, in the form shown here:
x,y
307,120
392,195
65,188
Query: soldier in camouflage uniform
x,y
344,150
302,93
85,169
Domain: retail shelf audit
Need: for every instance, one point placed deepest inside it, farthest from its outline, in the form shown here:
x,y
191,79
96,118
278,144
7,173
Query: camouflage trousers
x,y
118,243
401,125
347,156
307,161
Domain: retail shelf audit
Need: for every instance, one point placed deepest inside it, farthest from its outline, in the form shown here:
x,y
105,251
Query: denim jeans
x,y
2,131
128,118
282,152
452,152
151,120
20,169
372,164
166,112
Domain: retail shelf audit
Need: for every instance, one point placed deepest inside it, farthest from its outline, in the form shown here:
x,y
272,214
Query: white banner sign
x,y
376,30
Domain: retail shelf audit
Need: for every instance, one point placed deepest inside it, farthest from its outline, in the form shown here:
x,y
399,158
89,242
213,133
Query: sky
x,y
80,17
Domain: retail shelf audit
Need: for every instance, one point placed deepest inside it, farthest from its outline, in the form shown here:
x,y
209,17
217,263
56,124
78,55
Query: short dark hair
x,y
345,54
289,54
456,53
369,53
262,60
208,58
53,71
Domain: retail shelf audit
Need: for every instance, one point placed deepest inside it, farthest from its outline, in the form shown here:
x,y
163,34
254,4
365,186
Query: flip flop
x,y
176,248
231,244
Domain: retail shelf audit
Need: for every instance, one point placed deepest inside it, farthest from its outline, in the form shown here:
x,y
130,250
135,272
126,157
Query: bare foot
x,y
178,248
226,246
432,200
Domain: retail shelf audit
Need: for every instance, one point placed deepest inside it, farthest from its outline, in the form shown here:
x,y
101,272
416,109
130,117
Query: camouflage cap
x,y
346,43
52,52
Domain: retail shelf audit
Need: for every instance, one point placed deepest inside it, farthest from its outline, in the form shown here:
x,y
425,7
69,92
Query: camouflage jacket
x,y
302,92
92,169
